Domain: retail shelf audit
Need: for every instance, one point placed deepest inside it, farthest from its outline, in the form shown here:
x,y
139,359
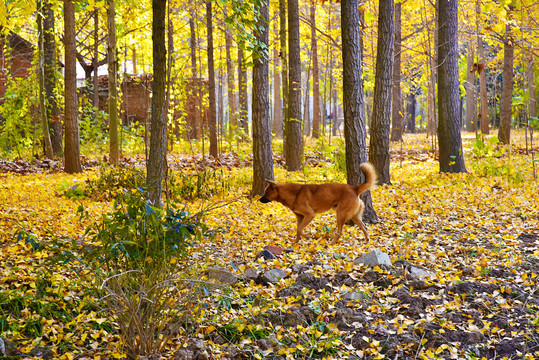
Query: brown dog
x,y
310,199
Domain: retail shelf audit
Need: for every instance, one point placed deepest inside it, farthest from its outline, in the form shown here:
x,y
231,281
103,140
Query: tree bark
x,y
72,145
481,67
449,114
354,117
242,81
504,132
410,112
381,113
316,74
284,67
262,153
231,84
211,79
113,83
51,79
277,125
158,136
95,61
531,86
397,111
49,153
294,141
471,104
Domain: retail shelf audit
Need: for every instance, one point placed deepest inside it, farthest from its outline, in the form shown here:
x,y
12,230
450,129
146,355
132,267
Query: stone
x,y
375,257
8,348
266,254
417,273
250,274
353,295
273,276
43,352
299,268
224,276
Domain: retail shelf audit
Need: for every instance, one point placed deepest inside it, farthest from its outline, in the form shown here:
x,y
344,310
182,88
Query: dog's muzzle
x,y
264,200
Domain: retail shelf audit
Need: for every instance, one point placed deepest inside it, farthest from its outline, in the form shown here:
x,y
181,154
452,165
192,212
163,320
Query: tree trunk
x,y
531,85
113,83
277,125
211,79
471,103
49,153
158,137
481,67
397,113
72,146
262,153
381,113
95,61
194,106
354,118
231,84
316,74
294,138
449,115
410,112
284,68
306,104
51,79
504,132
242,81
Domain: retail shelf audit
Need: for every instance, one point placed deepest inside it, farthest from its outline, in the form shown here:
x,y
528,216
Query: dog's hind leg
x,y
357,219
342,218
305,220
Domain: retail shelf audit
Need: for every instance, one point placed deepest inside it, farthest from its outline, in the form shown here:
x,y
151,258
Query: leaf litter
x,y
474,238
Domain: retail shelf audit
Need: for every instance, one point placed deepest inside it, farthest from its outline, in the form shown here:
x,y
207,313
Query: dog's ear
x,y
271,182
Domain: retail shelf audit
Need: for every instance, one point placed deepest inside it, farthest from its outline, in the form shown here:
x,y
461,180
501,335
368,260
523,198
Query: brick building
x,y
17,60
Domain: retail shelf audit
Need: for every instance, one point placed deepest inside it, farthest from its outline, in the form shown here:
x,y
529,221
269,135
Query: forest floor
x,y
463,282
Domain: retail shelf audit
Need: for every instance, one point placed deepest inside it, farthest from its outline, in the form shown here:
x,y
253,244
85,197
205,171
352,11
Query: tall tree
x,y
284,67
112,59
481,67
294,141
531,85
262,153
471,104
41,76
381,113
449,114
158,136
354,117
72,142
51,79
277,124
316,73
231,84
504,132
95,62
397,108
212,119
242,83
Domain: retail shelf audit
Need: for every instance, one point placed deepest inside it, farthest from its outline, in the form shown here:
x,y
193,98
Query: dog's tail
x,y
370,181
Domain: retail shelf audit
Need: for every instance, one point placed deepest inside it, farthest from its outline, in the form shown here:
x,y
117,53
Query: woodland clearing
x,y
475,234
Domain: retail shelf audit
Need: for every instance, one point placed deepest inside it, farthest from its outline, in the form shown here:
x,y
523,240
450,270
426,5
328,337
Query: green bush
x,y
113,180
200,185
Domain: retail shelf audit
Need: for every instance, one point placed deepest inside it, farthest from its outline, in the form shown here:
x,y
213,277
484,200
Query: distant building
x,y
16,61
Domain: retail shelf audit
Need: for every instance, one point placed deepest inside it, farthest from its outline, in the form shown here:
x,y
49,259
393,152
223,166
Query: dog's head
x,y
271,193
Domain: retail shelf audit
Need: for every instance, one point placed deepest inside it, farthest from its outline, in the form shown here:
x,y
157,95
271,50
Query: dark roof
x,y
16,41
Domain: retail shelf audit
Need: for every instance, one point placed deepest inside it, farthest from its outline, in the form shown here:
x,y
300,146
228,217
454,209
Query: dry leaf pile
x,y
463,281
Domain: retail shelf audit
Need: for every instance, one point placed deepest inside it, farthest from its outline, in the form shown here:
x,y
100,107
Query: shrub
x,y
113,180
136,265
